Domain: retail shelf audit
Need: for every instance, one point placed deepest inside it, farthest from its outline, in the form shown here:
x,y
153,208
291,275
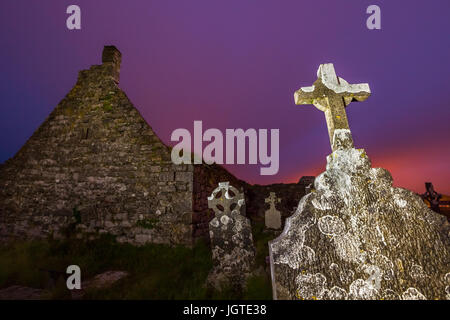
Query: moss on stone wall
x,y
96,152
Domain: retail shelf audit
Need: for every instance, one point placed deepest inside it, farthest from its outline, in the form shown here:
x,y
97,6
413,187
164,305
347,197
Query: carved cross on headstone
x,y
273,216
331,94
223,204
231,238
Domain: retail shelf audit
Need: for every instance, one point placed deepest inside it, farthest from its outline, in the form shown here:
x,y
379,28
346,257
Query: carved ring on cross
x,y
225,199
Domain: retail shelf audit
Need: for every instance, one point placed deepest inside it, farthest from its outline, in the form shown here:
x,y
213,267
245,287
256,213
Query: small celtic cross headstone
x,y
272,216
225,199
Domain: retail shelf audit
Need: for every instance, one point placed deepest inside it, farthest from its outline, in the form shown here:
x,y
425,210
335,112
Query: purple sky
x,y
236,64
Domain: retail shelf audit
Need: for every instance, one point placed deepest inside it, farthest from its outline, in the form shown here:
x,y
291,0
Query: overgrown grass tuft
x,y
258,288
261,237
155,271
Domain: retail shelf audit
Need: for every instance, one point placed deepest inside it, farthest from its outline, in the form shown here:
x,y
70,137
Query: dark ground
x,y
155,271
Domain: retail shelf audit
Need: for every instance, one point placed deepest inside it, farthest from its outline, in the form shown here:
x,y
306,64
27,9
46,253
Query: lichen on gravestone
x,y
231,238
356,236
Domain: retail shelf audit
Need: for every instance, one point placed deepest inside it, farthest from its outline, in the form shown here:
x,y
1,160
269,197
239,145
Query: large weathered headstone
x,y
231,238
355,236
272,216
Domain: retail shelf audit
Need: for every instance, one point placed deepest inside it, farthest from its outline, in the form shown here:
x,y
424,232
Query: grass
x,y
261,237
258,288
156,271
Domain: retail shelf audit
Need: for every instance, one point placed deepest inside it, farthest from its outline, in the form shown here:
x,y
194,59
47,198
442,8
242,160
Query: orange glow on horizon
x,y
410,169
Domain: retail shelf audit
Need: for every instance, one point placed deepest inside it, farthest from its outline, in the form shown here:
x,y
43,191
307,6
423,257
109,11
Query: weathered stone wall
x,y
97,165
95,162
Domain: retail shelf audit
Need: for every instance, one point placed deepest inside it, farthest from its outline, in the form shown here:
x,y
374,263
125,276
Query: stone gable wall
x,y
97,164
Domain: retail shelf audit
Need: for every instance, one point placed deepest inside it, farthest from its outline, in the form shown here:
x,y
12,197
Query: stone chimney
x,y
111,59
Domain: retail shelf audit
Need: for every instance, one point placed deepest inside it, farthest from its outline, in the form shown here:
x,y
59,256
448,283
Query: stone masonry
x,y
96,163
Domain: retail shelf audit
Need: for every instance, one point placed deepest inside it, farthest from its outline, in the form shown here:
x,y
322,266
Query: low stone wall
x,y
290,195
206,179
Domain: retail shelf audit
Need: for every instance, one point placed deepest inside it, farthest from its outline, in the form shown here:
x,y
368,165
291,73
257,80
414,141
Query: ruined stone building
x,y
97,165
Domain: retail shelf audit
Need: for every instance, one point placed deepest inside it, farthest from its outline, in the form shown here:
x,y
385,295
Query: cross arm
x,y
305,95
352,92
